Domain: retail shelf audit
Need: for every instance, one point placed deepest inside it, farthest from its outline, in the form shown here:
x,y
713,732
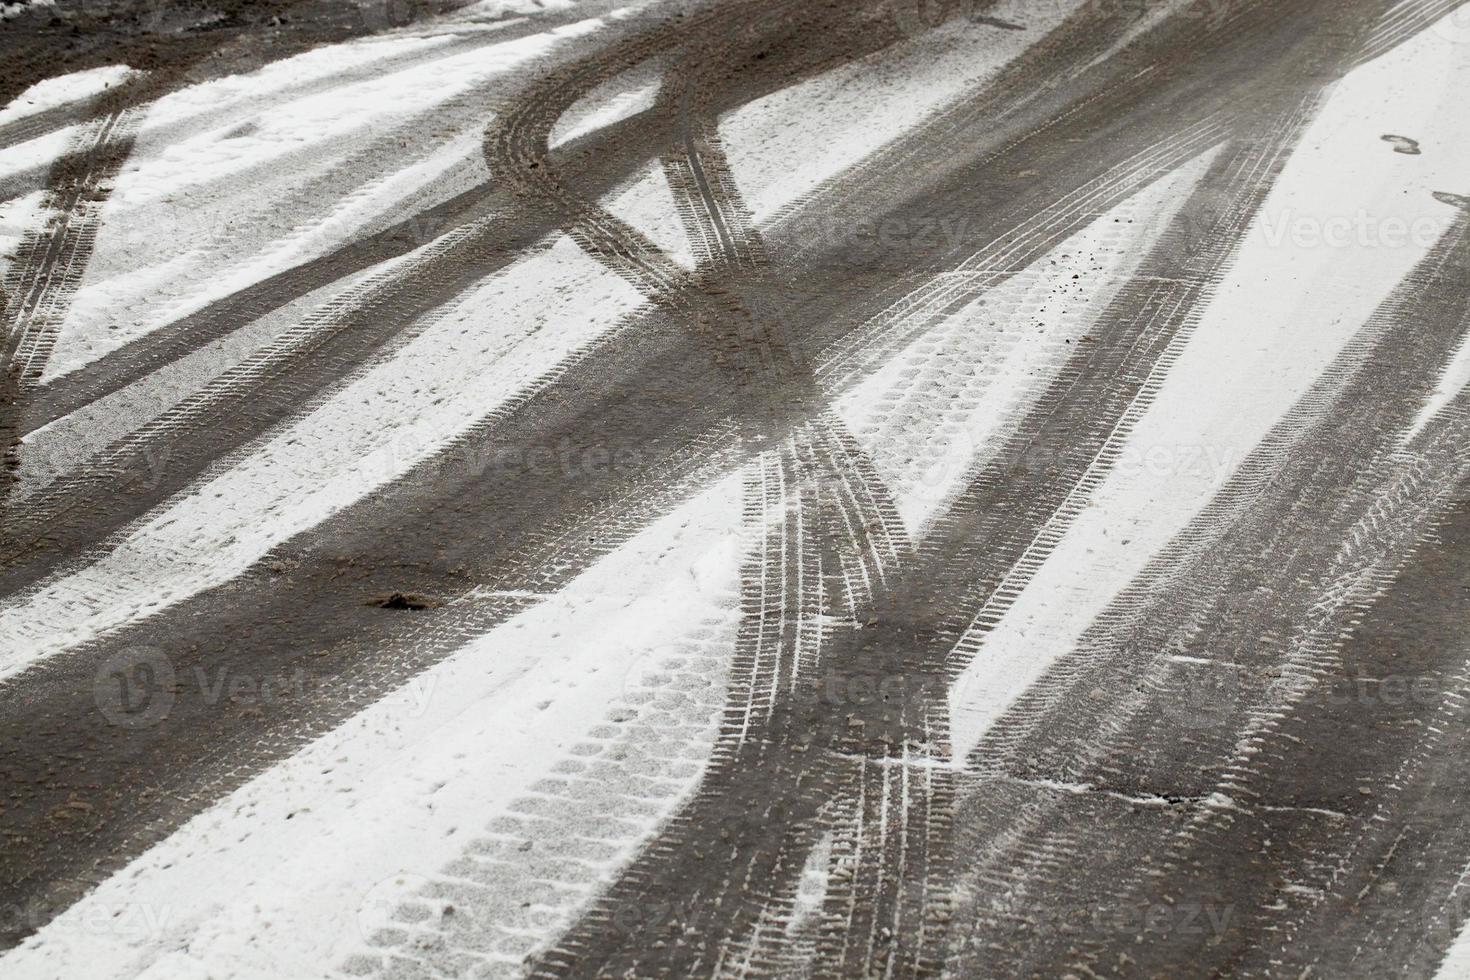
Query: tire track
x,y
532,868
1265,560
674,873
798,588
42,282
1419,486
722,230
1159,309
464,35
654,497
302,608
246,400
50,262
444,121
124,366
183,41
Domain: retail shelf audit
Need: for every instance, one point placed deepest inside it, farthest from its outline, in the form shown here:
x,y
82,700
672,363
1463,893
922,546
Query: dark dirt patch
x,y
404,600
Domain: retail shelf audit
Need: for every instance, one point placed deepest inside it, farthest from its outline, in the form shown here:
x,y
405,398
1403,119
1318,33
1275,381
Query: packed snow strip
x,y
504,8
17,217
936,411
784,145
208,99
133,288
624,95
66,444
278,80
1456,962
40,150
325,119
303,864
1327,248
52,93
604,112
648,205
487,347
180,230
1452,379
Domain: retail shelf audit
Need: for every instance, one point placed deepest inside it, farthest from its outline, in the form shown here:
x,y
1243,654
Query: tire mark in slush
x,y
69,517
610,525
50,262
1311,527
895,917
512,529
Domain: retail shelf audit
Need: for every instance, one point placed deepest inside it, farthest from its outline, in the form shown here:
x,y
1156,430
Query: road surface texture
x,y
742,488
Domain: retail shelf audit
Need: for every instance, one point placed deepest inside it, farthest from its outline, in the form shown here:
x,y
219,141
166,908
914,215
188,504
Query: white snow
x,y
324,119
938,408
168,185
62,90
34,153
1456,963
482,351
188,545
18,216
103,316
578,122
282,877
647,204
1295,295
784,145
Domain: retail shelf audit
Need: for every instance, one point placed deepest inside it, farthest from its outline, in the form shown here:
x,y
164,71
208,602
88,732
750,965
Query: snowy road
x,y
750,488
